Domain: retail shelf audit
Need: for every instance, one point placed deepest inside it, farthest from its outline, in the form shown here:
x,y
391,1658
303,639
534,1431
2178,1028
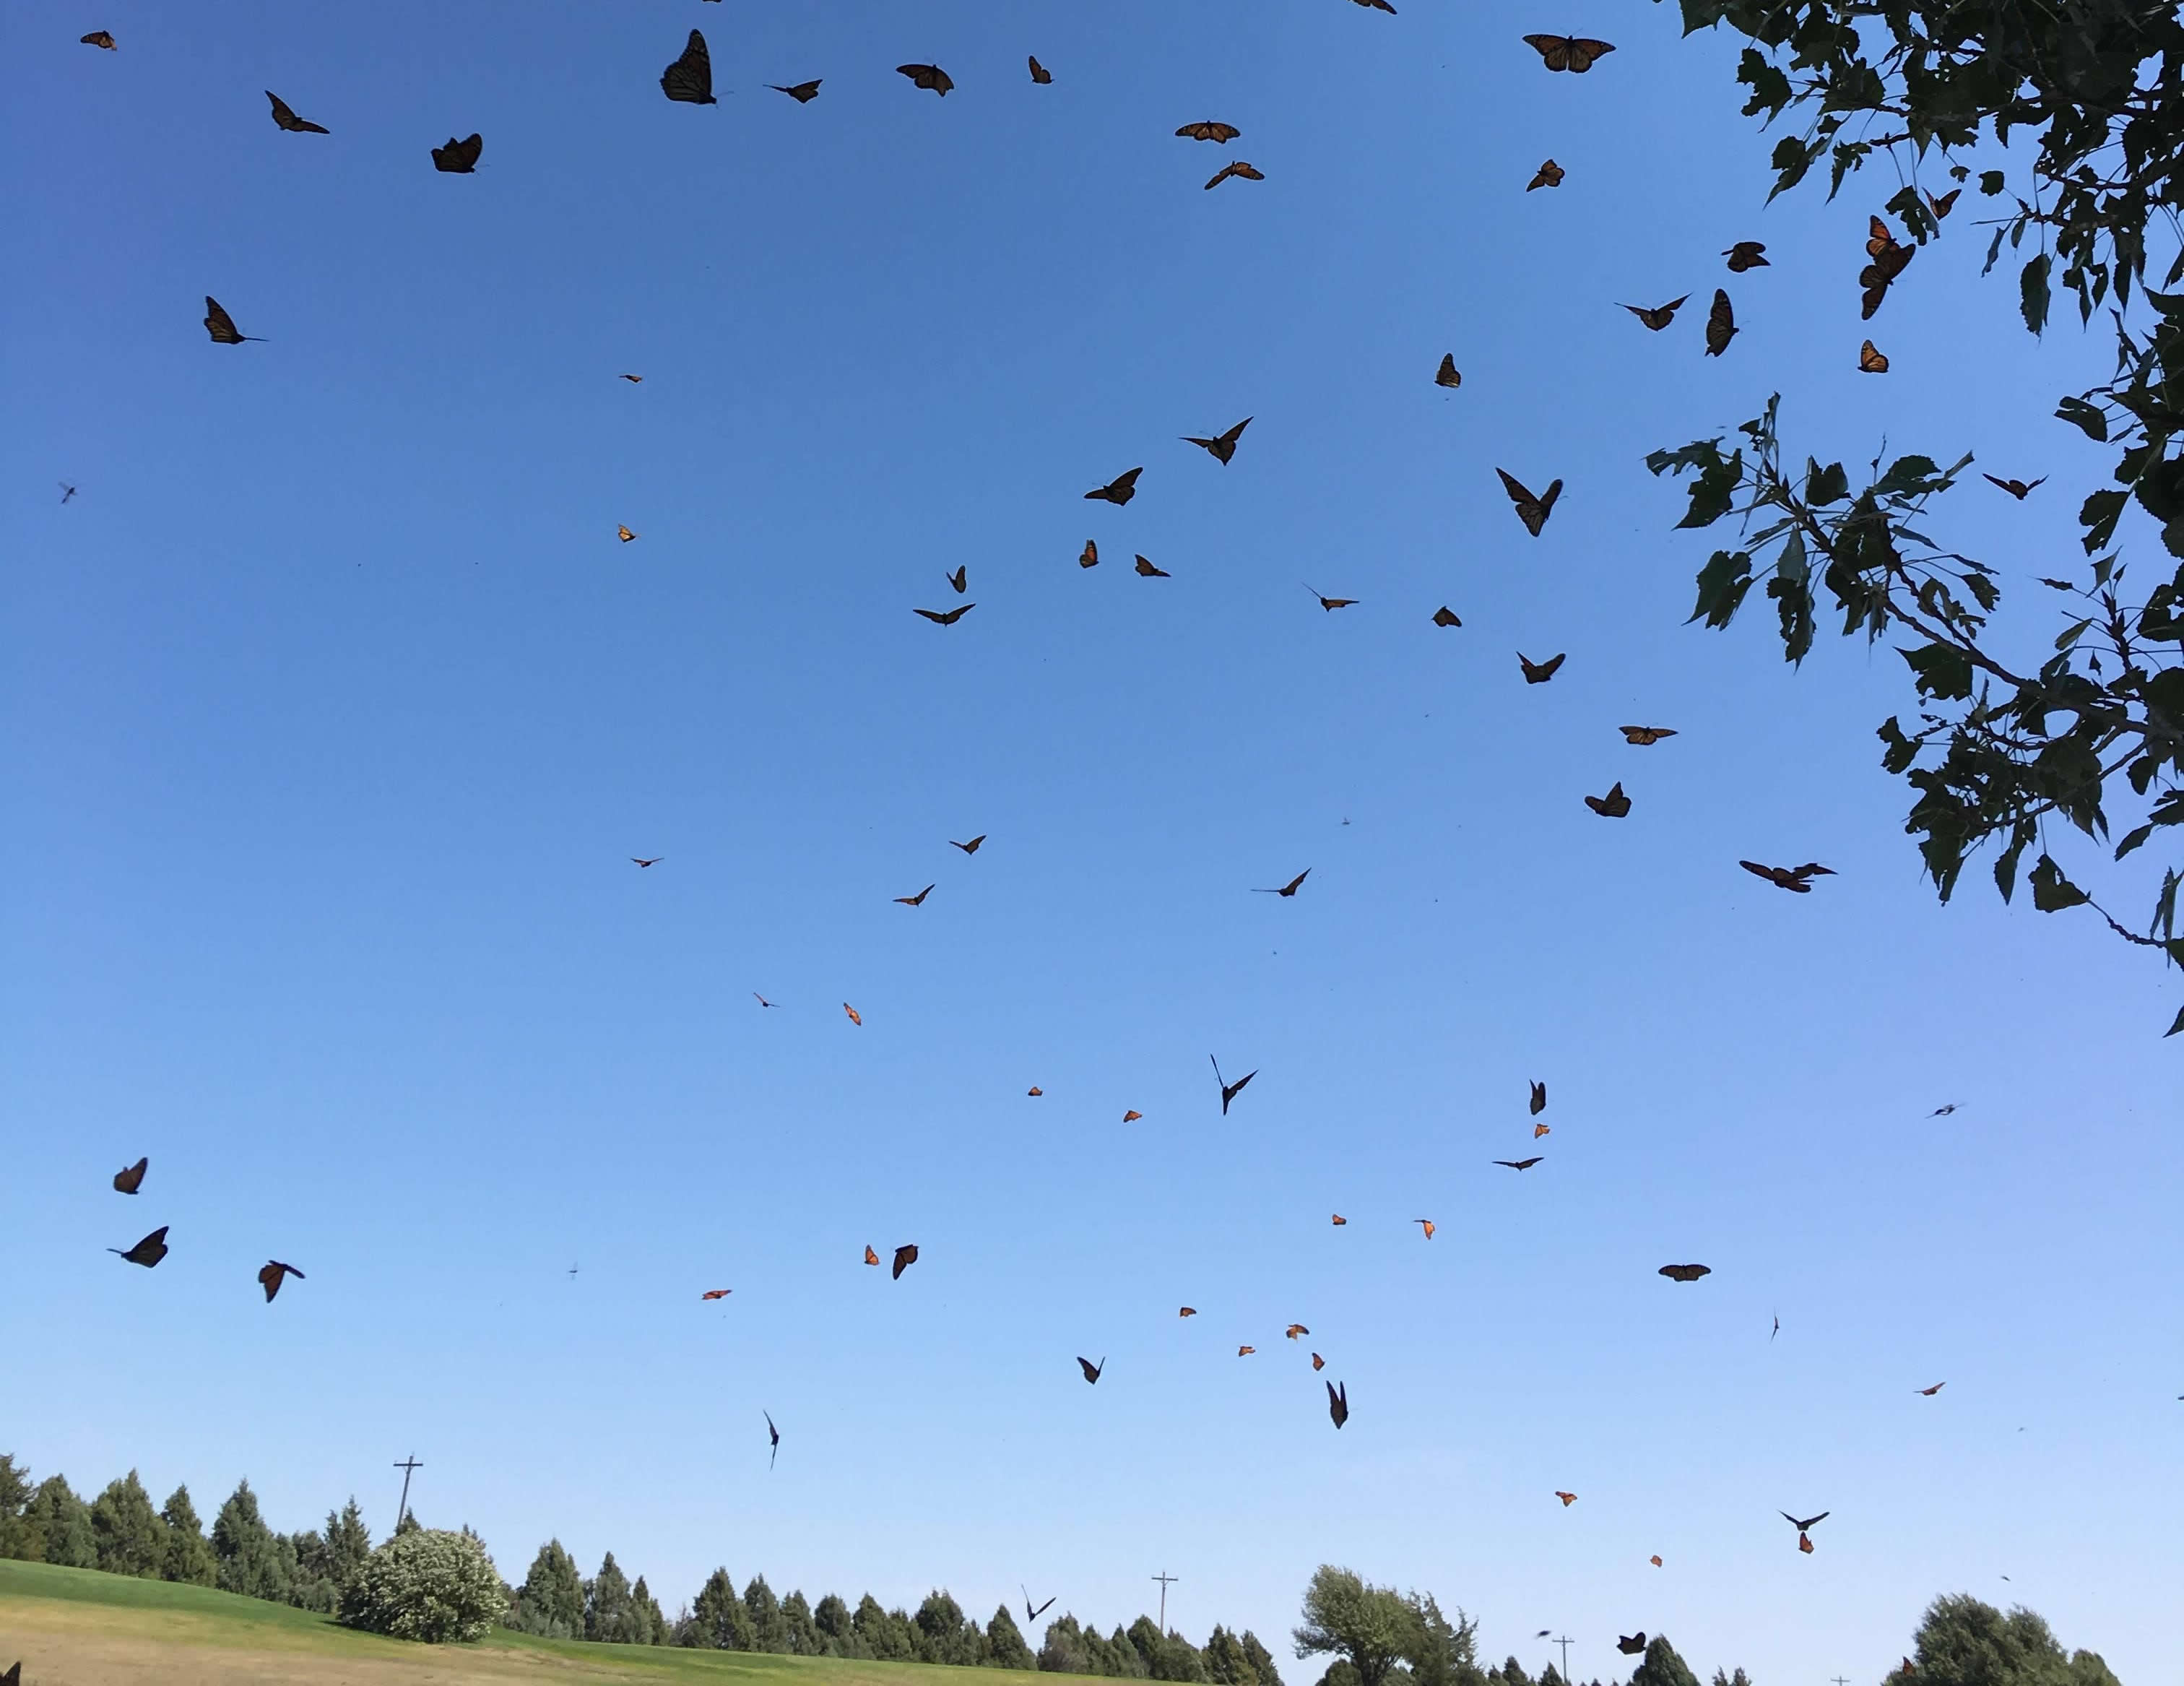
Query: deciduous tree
x,y
1962,1641
1370,1628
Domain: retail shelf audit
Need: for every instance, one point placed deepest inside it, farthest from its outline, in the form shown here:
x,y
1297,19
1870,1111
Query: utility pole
x,y
1166,1580
1565,1644
409,1467
1839,1681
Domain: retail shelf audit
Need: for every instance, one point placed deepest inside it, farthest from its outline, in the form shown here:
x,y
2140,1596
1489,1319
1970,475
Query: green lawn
x,y
79,1627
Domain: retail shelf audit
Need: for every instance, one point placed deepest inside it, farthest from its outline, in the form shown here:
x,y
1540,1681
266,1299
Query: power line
x,y
1565,1644
1166,1581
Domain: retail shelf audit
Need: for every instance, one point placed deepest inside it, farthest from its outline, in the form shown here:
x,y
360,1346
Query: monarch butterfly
x,y
950,617
1630,1644
1119,490
1089,557
802,93
1445,616
969,848
927,76
634,380
131,1178
458,158
1223,448
1340,1220
148,1251
856,1017
1890,257
1338,1393
1091,1369
918,901
871,1256
1539,1129
1929,1392
641,864
221,326
1222,133
960,580
1871,360
1747,254
2019,489
905,1257
1231,1090
1331,604
1686,1273
286,118
1805,1544
1132,1117
1550,174
1575,53
1567,1498
1519,1165
1660,316
272,1274
1378,6
1317,1362
1646,735
1147,571
1237,169
624,534
1531,510
1945,204
1789,878
1295,1330
98,38
716,1293
689,78
1612,806
1655,1560
1040,73
1186,1311
1721,324
1034,1090
1246,1352
1539,672
1446,375
1291,888
1427,1225
1539,1103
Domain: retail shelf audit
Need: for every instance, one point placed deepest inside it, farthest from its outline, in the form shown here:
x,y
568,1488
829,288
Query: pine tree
x,y
606,1605
1662,1666
348,1545
1062,1649
310,1580
1004,1643
15,1533
648,1626
804,1638
127,1533
1226,1664
1722,1676
1512,1673
887,1634
943,1633
832,1618
769,1632
187,1555
550,1603
1262,1660
718,1620
63,1523
250,1559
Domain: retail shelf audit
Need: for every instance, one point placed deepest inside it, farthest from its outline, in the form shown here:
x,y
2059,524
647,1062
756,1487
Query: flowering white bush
x,y
428,1584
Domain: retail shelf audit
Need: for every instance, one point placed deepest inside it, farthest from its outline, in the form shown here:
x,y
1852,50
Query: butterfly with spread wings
x,y
1646,736
131,1178
858,1018
762,1000
67,490
1539,672
1721,324
1567,1498
1091,1371
1338,1402
1031,1615
284,116
1445,616
1630,1645
148,1251
1119,490
1531,510
1658,316
1339,1219
1294,1330
1223,447
1246,1352
1287,890
1794,879
1331,604
905,1257
2019,489
624,534
1945,204
1220,133
1612,806
1238,170
634,380
640,863
98,38
1575,53
1147,571
1548,175
1929,1392
1231,1090
458,158
1042,76
773,1435
1747,254
969,848
1186,1311
715,1293
1376,6
917,901
930,76
1447,375
802,93
272,1273
1519,1165
1132,1115
1804,1529
221,326
689,80
946,617
1686,1273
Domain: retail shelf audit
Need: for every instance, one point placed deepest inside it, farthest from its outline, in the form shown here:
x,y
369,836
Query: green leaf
x,y
1907,474
2087,418
1791,588
1826,486
1770,88
1722,583
2071,633
1792,159
1715,490
2099,515
1990,183
2132,840
1941,670
2051,891
2177,1025
2032,290
1901,752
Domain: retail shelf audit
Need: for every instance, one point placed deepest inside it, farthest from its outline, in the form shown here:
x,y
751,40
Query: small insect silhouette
x,y
689,80
272,1274
1221,447
285,116
1119,490
1612,806
1531,510
1237,169
458,158
1747,254
802,93
931,76
1658,316
131,1178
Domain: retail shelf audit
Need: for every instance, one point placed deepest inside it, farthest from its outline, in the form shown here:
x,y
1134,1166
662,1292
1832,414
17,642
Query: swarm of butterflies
x,y
688,80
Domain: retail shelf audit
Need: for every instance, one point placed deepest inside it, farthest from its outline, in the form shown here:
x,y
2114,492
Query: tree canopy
x,y
1375,1628
1962,1641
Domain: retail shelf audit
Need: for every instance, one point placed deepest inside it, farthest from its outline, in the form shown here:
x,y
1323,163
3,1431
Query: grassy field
x,y
78,1627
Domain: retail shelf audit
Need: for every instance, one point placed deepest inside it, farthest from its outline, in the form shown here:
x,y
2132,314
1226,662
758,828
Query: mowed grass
x,y
79,1627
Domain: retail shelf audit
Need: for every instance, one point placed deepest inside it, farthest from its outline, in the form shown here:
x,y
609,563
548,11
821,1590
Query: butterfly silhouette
x,y
1289,889
1519,1165
858,1018
1119,490
1377,6
1186,1311
1660,316
1034,1090
1340,1220
960,580
969,848
1574,53
763,1002
871,1256
1890,259
917,901
1331,604
272,1273
1804,1529
624,534
1222,448
1531,510
1231,1090
1031,1615
1789,878
1091,1369
1539,1129
1426,1224
1294,1330
1239,169
1871,360
1539,1103
1644,736
458,158
1539,672
1721,324
1042,75
641,864
221,326
634,380
1943,1112
1222,133
927,76
716,1293
148,1251
2019,489
285,116
948,618
1549,175
1945,204
1317,1362
1929,1392
1747,254
689,78
773,1435
1147,571
131,1178
67,490
1612,806
1246,1352
1686,1273
802,93
1567,1498
1445,616
905,1257
1630,1644
1132,1116
1338,1402
98,38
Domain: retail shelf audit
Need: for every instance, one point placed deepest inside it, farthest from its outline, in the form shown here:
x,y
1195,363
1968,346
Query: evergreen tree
x,y
1722,1676
1512,1673
15,1533
832,1618
769,1632
1063,1651
1260,1659
62,1523
1964,1642
187,1555
311,1582
606,1605
1004,1643
804,1639
1119,1655
648,1626
1226,1664
550,1602
348,1545
250,1559
1442,1652
887,1634
128,1534
718,1620
1550,1676
1662,1666
943,1633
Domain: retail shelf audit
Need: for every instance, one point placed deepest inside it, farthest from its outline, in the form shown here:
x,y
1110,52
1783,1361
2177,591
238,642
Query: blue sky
x,y
335,711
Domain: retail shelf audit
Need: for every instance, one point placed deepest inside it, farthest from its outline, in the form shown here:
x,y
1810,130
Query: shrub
x,y
426,1584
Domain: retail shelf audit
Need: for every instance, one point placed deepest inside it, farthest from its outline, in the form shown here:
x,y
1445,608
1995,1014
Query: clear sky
x,y
334,711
